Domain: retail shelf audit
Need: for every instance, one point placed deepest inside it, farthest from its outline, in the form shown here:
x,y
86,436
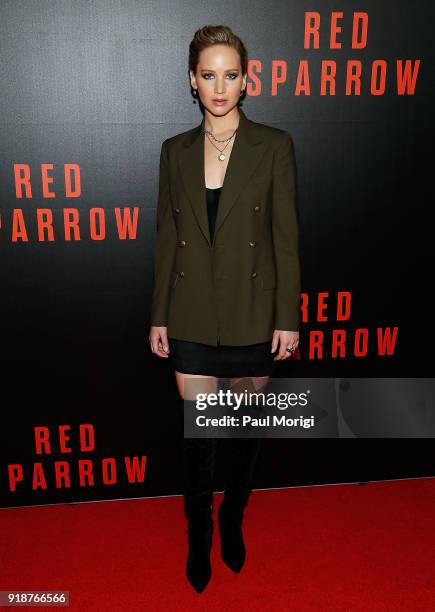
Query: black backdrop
x,y
101,84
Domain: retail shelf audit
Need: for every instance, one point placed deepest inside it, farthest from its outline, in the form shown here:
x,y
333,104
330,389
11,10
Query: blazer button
x,y
182,243
252,243
181,273
253,275
178,210
257,208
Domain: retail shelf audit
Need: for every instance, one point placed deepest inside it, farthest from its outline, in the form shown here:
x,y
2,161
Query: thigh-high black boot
x,y
198,470
241,457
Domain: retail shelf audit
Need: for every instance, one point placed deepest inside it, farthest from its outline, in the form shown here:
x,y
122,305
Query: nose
x,y
220,88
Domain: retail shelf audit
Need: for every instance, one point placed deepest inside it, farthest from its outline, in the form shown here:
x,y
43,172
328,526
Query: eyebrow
x,y
229,69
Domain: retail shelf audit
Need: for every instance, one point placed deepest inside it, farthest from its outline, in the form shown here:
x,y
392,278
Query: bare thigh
x,y
251,384
203,384
209,384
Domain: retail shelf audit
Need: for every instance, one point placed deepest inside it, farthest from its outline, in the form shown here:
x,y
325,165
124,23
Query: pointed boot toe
x,y
198,566
233,551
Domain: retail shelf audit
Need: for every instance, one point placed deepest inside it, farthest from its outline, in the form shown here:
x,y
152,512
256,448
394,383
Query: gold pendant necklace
x,y
221,155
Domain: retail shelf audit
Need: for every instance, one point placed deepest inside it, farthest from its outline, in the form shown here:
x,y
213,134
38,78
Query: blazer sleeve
x,y
285,229
165,246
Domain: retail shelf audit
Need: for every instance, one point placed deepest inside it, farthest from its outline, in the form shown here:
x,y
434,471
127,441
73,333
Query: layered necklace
x,y
211,136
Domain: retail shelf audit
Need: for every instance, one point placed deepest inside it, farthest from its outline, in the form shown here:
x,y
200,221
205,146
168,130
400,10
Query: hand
x,y
159,341
285,339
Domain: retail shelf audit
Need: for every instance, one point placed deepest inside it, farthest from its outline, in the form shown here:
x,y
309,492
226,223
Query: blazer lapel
x,y
247,152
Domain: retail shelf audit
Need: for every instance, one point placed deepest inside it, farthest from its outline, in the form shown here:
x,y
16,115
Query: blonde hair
x,y
211,35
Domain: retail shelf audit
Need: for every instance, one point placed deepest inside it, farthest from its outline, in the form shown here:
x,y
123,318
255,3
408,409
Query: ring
x,y
289,350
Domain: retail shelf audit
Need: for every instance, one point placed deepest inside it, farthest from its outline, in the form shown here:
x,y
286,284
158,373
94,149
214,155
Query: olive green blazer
x,y
245,284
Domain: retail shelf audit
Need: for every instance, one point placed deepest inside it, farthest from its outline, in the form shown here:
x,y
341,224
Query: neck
x,y
222,126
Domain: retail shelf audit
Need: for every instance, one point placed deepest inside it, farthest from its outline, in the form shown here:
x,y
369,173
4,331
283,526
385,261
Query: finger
x,y
290,354
280,355
153,344
163,348
274,342
164,344
156,346
276,346
161,353
284,353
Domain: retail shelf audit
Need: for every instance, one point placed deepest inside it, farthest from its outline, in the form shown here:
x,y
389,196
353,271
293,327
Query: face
x,y
218,77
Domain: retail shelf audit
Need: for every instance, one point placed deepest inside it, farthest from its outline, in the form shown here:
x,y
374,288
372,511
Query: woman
x,y
226,291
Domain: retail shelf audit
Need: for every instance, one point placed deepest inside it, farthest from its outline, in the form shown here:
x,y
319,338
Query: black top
x,y
212,207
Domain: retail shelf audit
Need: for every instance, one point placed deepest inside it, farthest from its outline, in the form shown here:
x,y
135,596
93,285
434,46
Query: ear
x,y
192,79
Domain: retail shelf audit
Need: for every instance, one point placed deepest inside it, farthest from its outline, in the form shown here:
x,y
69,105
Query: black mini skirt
x,y
222,361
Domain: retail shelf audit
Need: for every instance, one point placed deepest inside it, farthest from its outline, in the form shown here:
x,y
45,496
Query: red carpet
x,y
341,548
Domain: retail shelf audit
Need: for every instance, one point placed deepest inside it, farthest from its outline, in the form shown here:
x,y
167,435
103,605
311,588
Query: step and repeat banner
x,y
89,92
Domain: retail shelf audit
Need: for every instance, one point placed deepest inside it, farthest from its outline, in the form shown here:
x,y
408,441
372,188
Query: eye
x,y
231,74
